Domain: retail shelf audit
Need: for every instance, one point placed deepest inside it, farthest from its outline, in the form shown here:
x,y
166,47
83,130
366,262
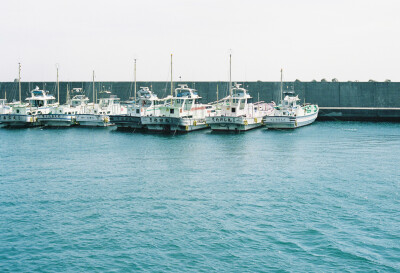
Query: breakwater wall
x,y
338,100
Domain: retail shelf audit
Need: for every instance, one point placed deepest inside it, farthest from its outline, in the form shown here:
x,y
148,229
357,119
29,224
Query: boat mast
x,y
230,76
58,88
217,92
135,80
67,93
281,84
19,81
94,98
172,88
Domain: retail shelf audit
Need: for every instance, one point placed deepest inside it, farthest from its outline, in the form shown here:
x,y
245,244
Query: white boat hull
x,y
174,124
91,120
288,122
223,123
57,120
16,120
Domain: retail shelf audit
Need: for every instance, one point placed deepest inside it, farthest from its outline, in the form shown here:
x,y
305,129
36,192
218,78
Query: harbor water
x,y
322,198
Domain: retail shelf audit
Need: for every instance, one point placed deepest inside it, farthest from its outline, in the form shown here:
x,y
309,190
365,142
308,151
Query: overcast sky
x,y
343,39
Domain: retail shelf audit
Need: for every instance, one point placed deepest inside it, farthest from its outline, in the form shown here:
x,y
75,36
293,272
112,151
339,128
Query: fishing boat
x,y
98,115
180,113
290,113
25,115
183,113
4,109
148,104
65,115
236,112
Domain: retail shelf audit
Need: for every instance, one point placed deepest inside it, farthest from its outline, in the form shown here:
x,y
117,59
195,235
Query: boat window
x,y
171,111
137,111
242,103
233,109
17,111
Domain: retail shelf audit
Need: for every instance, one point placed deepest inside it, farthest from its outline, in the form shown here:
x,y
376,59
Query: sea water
x,y
322,198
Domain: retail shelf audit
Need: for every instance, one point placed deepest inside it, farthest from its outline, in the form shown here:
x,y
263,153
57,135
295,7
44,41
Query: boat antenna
x,y
172,88
281,84
217,92
58,87
230,77
19,81
135,80
67,93
94,99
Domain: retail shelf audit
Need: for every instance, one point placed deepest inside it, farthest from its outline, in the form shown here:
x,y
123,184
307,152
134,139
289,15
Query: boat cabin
x,y
290,99
240,98
40,98
185,97
79,100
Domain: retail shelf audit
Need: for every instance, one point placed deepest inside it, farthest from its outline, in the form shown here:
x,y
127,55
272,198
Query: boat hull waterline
x,y
125,122
18,121
91,120
174,124
289,122
57,120
223,123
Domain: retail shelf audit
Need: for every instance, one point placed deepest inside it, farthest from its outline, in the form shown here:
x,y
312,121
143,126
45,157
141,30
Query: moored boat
x,y
238,113
183,113
98,115
65,115
4,109
148,104
25,115
290,114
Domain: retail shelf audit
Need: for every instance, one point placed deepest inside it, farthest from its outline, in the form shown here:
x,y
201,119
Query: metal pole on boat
x,y
58,88
230,76
19,82
135,80
281,84
67,93
94,98
172,87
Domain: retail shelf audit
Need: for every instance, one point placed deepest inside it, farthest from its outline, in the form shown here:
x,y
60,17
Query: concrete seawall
x,y
338,100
